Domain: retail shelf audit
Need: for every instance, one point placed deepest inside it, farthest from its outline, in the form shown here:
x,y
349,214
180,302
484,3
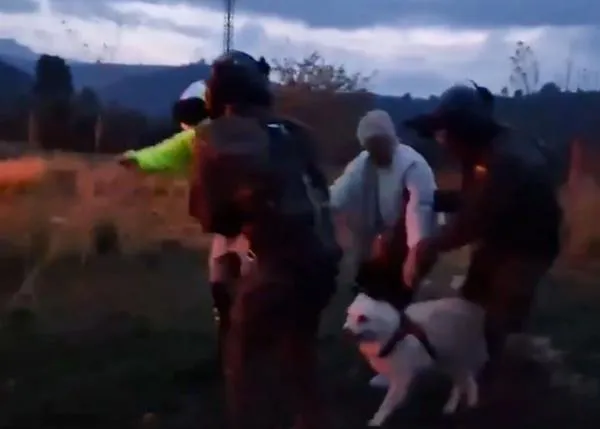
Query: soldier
x,y
256,174
509,210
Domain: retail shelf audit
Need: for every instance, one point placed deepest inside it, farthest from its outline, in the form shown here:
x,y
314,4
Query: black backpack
x,y
305,191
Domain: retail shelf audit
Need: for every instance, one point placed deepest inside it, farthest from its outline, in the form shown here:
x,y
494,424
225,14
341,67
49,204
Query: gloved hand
x,y
127,161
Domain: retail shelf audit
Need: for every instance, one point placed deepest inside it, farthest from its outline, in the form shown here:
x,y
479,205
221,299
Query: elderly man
x,y
386,195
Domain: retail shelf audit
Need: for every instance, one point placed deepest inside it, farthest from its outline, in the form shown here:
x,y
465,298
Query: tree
x,y
53,90
332,116
327,98
52,78
314,74
88,120
550,88
87,102
525,73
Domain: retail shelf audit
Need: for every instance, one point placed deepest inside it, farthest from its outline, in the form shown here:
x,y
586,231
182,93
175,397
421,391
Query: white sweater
x,y
408,170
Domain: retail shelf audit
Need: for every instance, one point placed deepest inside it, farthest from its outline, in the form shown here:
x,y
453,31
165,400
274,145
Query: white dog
x,y
444,333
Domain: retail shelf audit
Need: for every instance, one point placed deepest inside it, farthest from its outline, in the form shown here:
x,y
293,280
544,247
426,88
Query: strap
x,y
408,327
291,132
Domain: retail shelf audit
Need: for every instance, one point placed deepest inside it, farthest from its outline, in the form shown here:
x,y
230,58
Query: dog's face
x,y
368,320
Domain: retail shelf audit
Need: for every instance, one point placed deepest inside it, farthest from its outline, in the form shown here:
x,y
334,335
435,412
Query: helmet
x,y
470,100
237,78
459,104
196,89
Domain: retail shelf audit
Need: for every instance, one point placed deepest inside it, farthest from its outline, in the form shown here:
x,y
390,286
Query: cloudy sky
x,y
417,46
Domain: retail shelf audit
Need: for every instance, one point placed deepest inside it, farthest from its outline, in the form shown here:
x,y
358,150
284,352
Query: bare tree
x,y
314,74
525,73
328,99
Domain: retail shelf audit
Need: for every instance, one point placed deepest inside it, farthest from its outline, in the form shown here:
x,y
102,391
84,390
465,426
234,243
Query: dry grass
x,y
65,196
121,370
73,194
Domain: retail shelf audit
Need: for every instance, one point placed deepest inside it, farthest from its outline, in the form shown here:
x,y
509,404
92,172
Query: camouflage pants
x,y
505,285
272,315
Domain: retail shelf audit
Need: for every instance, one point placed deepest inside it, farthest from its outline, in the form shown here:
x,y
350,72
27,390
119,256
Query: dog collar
x,y
408,327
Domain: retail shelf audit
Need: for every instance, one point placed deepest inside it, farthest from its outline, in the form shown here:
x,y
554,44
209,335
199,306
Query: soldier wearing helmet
x,y
255,174
508,210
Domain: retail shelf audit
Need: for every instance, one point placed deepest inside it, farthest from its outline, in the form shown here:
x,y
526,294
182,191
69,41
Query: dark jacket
x,y
510,214
509,201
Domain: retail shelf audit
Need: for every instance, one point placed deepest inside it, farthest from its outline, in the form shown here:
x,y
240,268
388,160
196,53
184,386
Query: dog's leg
x,y
394,397
472,389
454,399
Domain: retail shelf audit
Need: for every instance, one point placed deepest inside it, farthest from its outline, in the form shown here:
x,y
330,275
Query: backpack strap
x,y
315,182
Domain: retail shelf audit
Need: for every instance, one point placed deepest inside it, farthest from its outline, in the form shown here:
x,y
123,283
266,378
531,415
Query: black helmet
x,y
237,78
468,105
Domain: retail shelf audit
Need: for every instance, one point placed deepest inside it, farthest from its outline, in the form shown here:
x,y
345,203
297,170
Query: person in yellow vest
x,y
174,156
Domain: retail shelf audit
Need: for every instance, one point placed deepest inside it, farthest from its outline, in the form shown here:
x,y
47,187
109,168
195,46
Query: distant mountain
x,y
148,88
153,93
94,75
99,75
15,83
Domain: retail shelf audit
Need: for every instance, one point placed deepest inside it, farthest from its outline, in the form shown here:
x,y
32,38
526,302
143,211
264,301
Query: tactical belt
x,y
408,327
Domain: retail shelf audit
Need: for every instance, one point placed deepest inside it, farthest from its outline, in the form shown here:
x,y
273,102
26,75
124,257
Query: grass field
x,y
106,353
126,340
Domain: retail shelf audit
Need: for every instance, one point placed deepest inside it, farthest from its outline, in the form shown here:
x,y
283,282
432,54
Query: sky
x,y
416,46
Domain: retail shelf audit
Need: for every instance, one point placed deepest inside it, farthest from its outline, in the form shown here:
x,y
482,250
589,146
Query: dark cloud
x,y
358,13
18,6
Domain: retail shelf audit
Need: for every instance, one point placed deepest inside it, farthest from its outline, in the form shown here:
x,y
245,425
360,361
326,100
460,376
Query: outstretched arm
x,y
172,156
343,190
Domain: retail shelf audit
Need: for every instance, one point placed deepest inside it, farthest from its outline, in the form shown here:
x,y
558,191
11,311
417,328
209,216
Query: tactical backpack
x,y
278,146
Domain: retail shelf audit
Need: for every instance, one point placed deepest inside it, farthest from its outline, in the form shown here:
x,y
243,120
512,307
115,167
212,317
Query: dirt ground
x,y
127,342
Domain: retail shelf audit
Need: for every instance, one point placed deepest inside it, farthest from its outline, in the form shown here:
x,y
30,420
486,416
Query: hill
x,y
95,75
147,88
153,93
15,83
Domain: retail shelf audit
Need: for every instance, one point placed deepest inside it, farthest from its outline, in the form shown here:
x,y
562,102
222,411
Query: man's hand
x,y
419,261
127,162
379,247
